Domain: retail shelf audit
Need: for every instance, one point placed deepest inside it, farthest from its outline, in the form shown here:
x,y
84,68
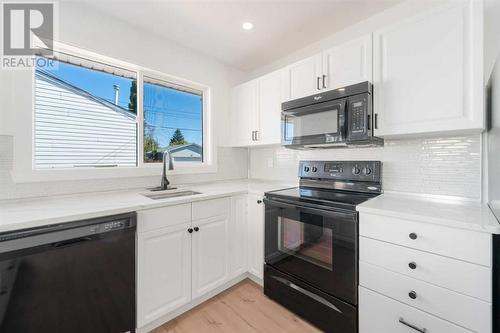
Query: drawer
x,y
475,280
461,244
380,314
157,218
462,310
211,208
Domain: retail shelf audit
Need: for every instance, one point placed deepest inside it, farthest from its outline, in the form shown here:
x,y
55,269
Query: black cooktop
x,y
329,198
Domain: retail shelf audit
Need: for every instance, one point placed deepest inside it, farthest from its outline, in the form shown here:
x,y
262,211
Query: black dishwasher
x,y
74,277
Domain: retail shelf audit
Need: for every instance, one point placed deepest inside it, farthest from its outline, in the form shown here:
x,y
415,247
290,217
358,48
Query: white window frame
x,y
208,158
24,169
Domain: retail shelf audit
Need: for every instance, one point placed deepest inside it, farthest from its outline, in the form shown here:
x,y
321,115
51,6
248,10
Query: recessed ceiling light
x,y
247,26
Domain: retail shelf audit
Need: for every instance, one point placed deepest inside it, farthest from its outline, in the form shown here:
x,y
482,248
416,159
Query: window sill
x,y
151,170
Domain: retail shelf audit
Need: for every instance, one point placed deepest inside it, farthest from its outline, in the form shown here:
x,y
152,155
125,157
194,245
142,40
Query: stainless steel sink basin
x,y
166,195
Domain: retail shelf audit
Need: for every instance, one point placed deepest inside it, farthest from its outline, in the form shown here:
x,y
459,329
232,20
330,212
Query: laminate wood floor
x,y
242,308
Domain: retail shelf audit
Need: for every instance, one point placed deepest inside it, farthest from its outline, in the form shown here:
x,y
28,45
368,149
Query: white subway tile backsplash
x,y
448,166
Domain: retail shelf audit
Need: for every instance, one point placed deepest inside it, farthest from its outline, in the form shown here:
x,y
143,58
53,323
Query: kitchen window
x,y
85,116
173,121
93,113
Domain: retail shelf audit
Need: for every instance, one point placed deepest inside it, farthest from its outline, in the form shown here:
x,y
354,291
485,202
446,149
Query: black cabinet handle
x,y
259,201
412,294
317,83
190,230
421,330
324,81
196,229
412,265
413,236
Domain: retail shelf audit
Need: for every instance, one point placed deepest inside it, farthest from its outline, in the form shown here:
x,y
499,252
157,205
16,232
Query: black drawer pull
x,y
190,230
259,201
196,229
412,294
421,330
412,265
413,236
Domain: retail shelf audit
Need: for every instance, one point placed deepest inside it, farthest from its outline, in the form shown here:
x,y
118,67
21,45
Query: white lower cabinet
x,y
164,272
185,251
238,236
210,254
420,277
380,314
466,311
256,236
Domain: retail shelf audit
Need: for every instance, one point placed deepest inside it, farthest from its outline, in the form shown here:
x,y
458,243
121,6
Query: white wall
x,y
442,166
84,28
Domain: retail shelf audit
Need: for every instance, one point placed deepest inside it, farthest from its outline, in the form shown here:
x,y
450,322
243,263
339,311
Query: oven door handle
x,y
306,292
305,207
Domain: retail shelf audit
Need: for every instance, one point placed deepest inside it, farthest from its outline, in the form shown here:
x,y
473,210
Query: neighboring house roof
x,y
64,84
186,150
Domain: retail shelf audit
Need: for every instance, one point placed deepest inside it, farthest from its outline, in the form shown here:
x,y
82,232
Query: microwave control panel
x,y
359,117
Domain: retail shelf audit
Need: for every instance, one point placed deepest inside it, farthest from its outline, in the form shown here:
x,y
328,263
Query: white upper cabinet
x,y
348,63
270,96
243,117
256,111
428,72
303,78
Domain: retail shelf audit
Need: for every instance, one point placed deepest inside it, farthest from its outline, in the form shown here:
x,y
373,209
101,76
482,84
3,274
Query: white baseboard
x,y
256,279
177,312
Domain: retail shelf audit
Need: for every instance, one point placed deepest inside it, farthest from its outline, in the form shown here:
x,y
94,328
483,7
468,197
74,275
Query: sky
x,y
165,109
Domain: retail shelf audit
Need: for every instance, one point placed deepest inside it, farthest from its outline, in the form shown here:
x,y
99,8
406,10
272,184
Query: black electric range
x,y
311,241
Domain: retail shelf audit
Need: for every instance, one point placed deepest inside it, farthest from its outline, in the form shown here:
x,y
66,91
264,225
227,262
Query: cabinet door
x,y
238,239
270,97
164,272
428,72
243,114
304,77
348,63
255,235
210,254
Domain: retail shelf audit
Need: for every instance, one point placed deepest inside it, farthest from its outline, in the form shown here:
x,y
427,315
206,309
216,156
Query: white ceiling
x,y
214,27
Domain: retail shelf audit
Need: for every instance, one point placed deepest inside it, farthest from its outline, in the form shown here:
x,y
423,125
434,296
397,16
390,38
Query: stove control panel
x,y
341,170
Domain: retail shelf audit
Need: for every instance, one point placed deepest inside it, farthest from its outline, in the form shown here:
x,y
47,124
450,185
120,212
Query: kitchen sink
x,y
166,195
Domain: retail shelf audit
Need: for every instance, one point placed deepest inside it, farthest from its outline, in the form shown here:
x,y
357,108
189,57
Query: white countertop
x,y
28,213
457,214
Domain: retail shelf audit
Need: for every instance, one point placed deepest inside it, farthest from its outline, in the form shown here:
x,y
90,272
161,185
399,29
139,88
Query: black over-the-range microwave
x,y
336,118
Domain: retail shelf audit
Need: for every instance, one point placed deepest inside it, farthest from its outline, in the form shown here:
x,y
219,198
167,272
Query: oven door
x,y
322,123
317,246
